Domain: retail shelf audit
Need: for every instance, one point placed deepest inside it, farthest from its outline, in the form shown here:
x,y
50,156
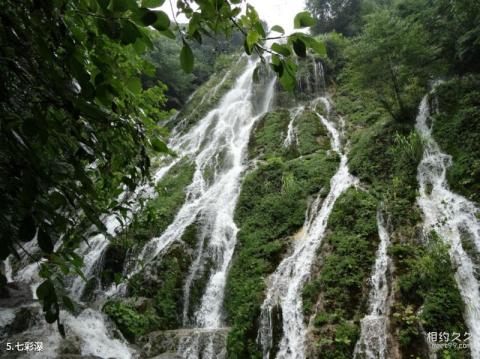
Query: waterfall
x,y
374,327
93,251
451,216
291,132
313,80
286,283
7,269
214,202
319,76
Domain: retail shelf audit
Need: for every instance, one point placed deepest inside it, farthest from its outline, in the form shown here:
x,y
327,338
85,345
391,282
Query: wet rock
x,y
166,344
24,319
75,356
90,290
141,304
167,356
70,347
113,262
15,295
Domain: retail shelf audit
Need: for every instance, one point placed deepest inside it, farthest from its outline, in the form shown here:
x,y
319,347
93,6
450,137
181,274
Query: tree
x,y
393,60
343,16
78,127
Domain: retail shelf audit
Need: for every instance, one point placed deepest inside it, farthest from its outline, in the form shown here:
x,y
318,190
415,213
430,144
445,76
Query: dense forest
x,y
197,183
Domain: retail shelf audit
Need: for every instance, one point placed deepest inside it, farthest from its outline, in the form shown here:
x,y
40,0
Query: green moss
x,y
311,134
456,128
129,320
426,282
268,135
271,209
157,213
385,156
350,247
162,281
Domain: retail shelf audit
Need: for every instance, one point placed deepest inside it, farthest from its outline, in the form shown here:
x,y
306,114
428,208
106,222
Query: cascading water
x,y
374,327
90,326
452,217
218,145
93,251
236,118
291,137
286,283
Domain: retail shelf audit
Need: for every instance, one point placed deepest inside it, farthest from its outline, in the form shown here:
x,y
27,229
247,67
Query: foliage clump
x,y
337,293
429,297
456,125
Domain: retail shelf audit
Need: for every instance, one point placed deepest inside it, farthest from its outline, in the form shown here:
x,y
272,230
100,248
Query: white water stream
x,y
291,137
374,326
286,283
213,201
451,216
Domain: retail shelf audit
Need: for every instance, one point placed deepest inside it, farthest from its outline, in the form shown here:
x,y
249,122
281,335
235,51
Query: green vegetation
x,y
348,253
428,296
157,213
208,95
210,60
395,66
456,129
155,294
129,321
344,17
386,150
270,211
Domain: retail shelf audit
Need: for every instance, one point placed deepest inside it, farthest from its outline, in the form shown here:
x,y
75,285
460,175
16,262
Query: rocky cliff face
x,y
250,243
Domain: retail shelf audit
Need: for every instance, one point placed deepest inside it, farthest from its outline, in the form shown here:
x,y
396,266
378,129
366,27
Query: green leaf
x,y
252,38
168,33
27,229
186,58
159,145
278,28
277,65
248,50
281,49
134,85
44,241
146,17
317,46
120,5
46,290
152,3
299,47
259,28
163,21
256,76
129,33
51,314
288,80
103,4
61,329
303,19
